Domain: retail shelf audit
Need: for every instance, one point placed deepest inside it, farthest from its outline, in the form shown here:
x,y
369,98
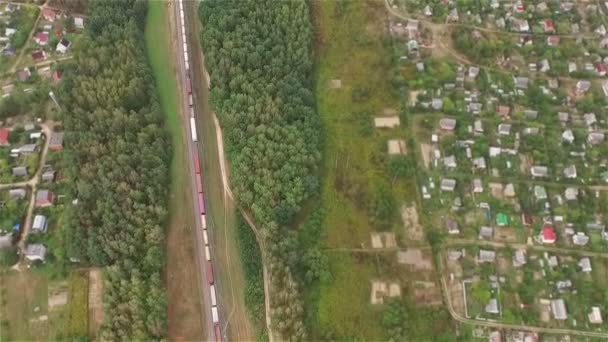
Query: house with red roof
x,y
553,40
600,69
4,134
56,76
39,55
49,14
548,25
41,38
548,235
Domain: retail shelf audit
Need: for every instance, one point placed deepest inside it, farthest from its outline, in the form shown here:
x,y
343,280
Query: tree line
x,y
117,155
259,56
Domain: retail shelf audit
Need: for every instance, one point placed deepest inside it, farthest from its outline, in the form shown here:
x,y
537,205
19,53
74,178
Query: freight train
x,y
199,180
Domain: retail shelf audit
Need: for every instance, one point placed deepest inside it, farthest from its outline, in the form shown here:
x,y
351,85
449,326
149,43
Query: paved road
x,y
191,148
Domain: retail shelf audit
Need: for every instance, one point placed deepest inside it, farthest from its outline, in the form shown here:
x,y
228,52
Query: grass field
x,y
184,312
353,46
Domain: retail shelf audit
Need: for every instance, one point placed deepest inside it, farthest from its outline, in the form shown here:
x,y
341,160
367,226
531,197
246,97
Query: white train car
x,y
193,129
213,298
205,237
204,222
214,315
207,253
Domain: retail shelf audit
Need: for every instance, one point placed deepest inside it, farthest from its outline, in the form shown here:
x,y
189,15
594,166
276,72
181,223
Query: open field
x,y
34,307
355,84
184,315
221,211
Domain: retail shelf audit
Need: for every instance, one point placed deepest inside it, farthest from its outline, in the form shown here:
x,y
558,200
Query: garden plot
x,y
411,225
415,258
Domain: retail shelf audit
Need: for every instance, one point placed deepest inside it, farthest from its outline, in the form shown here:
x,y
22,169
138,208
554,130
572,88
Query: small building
x,y
548,235
39,55
56,141
63,45
452,226
563,117
79,22
28,149
40,224
447,124
44,198
595,138
24,74
530,114
502,219
486,233
540,192
20,171
56,76
503,111
504,129
519,258
448,184
527,219
450,162
4,135
553,40
477,186
585,265
539,171
49,14
41,38
590,119
595,316
492,306
548,26
486,256
35,252
520,82
479,163
17,194
582,86
558,308
580,239
387,122
571,194
570,171
568,136
48,176
473,72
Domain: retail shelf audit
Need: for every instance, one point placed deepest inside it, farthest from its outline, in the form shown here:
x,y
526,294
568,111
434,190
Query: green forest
x,y
118,155
259,54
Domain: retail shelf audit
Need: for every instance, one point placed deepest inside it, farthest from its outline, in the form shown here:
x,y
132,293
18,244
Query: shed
x,y
492,306
502,219
56,141
40,224
452,226
35,252
387,121
4,134
539,171
20,171
570,171
448,184
595,316
519,258
558,308
580,239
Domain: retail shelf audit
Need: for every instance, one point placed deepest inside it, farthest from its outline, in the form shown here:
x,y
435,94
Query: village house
x,y
450,162
509,190
479,163
39,55
473,72
49,14
48,175
452,227
447,124
540,192
17,194
503,111
24,74
558,308
530,114
486,256
56,141
44,198
590,119
448,184
595,316
595,138
585,265
79,22
582,87
35,252
570,171
486,233
568,135
553,40
571,194
41,38
520,82
27,149
504,129
4,135
19,171
600,69
492,306
519,258
477,186
40,224
539,171
547,235
63,45
580,239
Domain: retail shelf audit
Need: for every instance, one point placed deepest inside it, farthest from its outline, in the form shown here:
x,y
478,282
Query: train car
x,y
190,102
210,274
205,237
193,128
212,292
197,165
204,223
191,112
215,317
218,333
207,254
201,203
188,85
199,185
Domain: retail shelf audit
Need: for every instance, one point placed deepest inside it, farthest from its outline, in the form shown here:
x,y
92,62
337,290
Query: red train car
x,y
199,184
210,273
201,203
197,164
189,85
218,333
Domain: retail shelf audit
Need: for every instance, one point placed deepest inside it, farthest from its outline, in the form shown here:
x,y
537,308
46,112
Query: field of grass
x,y
352,47
184,312
77,310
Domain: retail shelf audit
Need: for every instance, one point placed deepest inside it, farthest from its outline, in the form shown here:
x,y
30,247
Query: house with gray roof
x,y
558,308
486,256
35,252
20,171
448,184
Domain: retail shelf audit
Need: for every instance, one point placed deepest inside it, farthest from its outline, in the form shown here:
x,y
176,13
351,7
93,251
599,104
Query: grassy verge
x,y
182,286
77,311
